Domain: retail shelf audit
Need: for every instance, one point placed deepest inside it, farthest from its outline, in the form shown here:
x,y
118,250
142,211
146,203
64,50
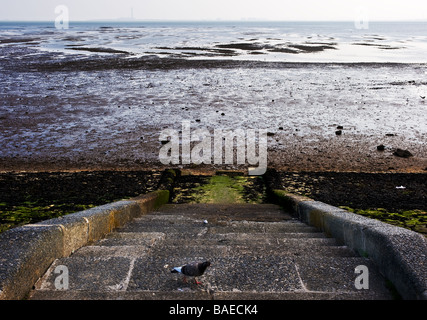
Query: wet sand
x,y
106,113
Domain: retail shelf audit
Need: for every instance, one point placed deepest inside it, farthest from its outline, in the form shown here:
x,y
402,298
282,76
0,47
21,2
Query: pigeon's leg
x,y
197,282
185,279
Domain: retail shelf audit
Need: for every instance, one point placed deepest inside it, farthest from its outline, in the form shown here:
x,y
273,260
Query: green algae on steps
x,y
31,197
415,220
224,189
32,212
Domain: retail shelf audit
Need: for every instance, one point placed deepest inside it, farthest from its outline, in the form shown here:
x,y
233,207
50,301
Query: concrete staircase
x,y
257,252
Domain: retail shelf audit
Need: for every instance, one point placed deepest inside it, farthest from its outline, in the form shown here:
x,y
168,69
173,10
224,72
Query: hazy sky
x,y
217,9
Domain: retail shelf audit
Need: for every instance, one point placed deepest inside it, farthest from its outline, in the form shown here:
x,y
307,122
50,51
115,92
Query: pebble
x,y
402,153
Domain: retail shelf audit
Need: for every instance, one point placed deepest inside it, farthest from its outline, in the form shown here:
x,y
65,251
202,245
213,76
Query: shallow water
x,y
265,41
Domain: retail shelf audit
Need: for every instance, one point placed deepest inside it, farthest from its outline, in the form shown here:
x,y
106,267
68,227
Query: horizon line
x,y
207,20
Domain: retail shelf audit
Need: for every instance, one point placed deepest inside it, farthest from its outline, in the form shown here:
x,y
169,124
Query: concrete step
x,y
278,242
132,245
189,294
207,251
247,274
194,226
250,212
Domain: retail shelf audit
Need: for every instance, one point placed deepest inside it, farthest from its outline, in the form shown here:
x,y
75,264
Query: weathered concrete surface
x,y
256,251
400,254
27,252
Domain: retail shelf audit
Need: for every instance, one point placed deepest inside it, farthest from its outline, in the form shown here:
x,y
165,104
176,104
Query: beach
x,y
100,114
97,96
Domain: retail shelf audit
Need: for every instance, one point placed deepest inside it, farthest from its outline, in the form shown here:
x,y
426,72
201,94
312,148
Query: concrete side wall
x,y
27,252
400,254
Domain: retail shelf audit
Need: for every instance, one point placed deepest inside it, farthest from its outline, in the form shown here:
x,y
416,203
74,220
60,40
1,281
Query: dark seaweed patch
x,y
99,50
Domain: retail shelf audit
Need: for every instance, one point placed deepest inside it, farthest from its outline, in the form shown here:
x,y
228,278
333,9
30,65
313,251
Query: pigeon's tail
x,y
176,270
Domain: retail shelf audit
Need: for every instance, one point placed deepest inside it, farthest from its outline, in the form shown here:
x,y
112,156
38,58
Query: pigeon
x,y
194,269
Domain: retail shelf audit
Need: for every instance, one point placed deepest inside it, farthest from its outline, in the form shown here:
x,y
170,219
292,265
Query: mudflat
x,y
96,112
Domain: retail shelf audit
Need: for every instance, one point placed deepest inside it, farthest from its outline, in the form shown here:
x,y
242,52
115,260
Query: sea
x,y
395,42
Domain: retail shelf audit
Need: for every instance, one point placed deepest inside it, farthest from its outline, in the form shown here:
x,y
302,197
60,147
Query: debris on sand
x,y
402,153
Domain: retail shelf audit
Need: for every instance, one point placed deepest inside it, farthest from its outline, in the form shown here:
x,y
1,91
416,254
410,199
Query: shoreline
x,y
206,170
397,198
34,60
68,63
